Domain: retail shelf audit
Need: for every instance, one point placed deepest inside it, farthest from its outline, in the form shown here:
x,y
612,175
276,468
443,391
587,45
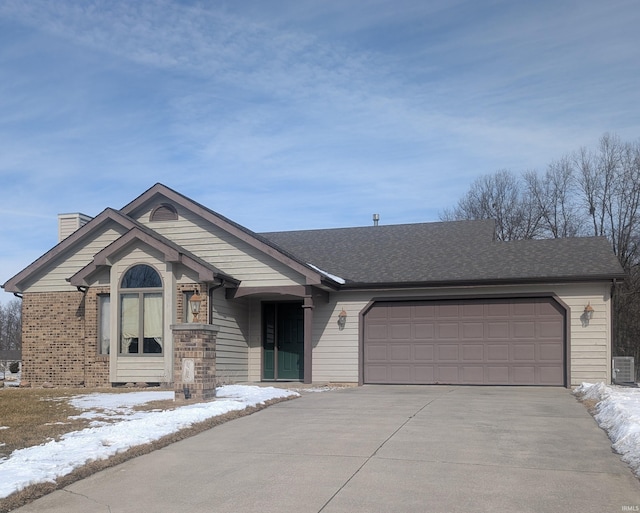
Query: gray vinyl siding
x,y
232,317
255,340
134,369
228,253
54,277
336,353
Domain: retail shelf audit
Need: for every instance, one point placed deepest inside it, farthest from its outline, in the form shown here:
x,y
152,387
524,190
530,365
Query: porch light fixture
x,y
588,312
194,304
342,319
587,315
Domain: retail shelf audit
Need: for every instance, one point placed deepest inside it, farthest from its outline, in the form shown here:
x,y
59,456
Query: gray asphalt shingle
x,y
446,252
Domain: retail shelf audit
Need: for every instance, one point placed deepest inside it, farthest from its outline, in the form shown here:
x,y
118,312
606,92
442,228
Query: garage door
x,y
473,342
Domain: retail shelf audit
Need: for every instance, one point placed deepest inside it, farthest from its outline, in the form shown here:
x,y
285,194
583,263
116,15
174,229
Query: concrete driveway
x,y
378,449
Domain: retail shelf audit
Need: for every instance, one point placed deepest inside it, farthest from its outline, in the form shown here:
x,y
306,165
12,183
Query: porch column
x,y
307,307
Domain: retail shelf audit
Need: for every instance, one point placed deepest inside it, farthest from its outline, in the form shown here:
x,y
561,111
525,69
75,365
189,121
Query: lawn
x,y
33,416
50,438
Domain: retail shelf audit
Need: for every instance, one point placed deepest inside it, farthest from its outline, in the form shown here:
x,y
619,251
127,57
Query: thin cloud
x,y
301,114
25,213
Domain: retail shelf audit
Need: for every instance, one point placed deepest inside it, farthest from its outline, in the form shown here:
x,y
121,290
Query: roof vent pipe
x,y
376,218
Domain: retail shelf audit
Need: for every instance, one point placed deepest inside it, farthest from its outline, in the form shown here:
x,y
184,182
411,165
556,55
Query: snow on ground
x,y
102,440
618,413
104,408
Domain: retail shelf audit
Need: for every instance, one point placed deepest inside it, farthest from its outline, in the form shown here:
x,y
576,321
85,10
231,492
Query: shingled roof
x,y
446,253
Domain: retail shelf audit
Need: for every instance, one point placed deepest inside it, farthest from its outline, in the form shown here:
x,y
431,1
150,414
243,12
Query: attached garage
x,y
515,341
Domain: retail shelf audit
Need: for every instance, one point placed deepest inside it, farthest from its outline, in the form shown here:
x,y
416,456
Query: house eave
x,y
14,283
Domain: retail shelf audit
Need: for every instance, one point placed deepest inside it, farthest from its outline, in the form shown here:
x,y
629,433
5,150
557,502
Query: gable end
x,y
312,276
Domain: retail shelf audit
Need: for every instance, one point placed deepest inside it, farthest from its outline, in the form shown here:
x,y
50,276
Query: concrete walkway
x,y
378,449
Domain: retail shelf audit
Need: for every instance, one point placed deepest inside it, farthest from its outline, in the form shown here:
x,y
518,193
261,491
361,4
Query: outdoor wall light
x,y
588,312
194,304
342,319
587,315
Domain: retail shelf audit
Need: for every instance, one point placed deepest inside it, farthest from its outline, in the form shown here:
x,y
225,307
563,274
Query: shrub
x,y
14,367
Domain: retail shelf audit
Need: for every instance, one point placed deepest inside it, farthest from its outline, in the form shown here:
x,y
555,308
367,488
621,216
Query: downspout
x,y
210,291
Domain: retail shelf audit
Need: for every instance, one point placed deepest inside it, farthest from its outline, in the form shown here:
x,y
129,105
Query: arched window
x,y
141,276
141,311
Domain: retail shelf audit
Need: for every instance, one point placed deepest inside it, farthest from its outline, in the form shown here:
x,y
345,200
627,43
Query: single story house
x,y
426,303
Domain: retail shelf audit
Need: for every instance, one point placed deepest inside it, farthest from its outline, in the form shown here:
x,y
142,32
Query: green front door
x,y
283,341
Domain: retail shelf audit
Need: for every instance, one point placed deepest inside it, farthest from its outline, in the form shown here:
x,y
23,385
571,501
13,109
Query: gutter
x,y
476,283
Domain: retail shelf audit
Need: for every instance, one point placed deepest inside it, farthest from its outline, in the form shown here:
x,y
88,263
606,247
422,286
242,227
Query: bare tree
x,y
2,329
555,200
609,182
499,196
11,325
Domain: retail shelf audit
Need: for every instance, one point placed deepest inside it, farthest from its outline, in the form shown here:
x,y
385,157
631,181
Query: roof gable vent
x,y
164,212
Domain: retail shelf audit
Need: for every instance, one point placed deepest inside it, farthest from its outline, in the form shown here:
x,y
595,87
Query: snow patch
x,y
47,462
335,278
618,413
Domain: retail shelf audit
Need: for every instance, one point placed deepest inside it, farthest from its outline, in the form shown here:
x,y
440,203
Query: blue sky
x,y
296,114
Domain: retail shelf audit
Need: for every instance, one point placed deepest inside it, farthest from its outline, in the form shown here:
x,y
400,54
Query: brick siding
x,y
60,337
60,341
96,365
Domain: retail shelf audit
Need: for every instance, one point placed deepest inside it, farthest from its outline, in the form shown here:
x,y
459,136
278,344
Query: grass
x,y
36,416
